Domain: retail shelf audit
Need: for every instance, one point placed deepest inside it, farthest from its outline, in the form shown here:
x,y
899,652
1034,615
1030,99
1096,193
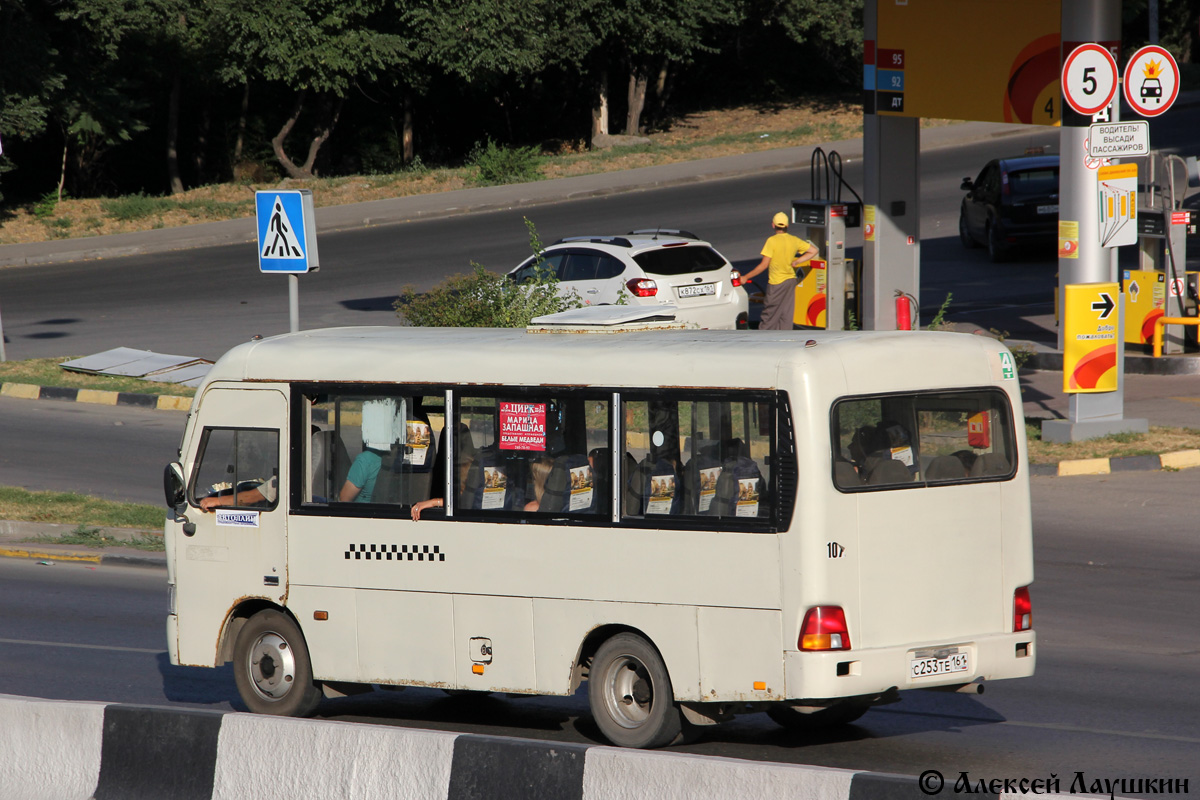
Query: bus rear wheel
x,y
841,714
630,694
272,669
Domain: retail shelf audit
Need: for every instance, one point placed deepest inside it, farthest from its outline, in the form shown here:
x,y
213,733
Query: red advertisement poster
x,y
522,426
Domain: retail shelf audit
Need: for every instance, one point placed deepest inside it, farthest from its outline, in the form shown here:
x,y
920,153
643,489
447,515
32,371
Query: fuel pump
x,y
826,295
1161,286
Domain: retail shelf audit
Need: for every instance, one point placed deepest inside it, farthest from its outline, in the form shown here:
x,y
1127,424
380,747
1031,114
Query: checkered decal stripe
x,y
395,552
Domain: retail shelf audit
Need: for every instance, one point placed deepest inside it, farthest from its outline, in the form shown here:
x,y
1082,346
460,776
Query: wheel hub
x,y
630,692
272,666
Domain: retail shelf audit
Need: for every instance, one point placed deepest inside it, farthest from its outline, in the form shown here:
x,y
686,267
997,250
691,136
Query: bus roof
x,y
861,362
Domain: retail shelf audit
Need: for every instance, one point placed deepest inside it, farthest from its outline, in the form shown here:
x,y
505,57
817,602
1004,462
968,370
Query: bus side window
x,y
532,454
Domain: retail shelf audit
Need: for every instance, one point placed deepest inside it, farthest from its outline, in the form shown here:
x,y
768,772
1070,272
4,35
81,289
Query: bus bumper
x,y
173,639
850,673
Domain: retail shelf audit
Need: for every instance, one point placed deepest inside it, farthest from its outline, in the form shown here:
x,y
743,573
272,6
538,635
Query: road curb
x,y
157,402
148,751
150,559
1183,459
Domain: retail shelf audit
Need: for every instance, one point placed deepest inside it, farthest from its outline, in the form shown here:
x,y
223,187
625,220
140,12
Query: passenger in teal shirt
x,y
360,480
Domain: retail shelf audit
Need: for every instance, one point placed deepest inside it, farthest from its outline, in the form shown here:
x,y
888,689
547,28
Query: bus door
x,y
239,548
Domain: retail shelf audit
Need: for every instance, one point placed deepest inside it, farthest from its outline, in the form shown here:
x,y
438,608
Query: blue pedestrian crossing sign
x,y
287,231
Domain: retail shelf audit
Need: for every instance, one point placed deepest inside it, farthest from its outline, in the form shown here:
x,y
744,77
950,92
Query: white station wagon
x,y
650,267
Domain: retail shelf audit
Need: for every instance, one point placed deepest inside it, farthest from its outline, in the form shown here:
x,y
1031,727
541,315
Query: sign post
x,y
1095,214
287,240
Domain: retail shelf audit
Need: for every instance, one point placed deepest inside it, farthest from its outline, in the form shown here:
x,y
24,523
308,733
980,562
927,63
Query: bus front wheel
x,y
630,694
272,669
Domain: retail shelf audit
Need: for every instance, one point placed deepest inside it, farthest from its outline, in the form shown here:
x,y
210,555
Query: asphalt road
x,y
114,452
1114,603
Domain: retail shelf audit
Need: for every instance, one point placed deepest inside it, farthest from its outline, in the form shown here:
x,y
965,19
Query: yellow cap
x,y
780,220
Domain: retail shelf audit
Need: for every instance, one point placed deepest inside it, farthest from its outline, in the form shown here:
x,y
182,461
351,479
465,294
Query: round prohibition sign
x,y
1151,81
1089,79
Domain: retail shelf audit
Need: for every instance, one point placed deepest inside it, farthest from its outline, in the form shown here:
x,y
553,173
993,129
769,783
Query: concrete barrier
x,y
56,750
49,750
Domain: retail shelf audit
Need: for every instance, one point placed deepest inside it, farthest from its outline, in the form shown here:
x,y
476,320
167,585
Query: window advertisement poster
x,y
416,450
708,487
662,494
747,503
494,484
523,426
581,488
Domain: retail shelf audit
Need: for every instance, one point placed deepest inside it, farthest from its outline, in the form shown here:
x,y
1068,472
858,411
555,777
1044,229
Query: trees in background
x,y
105,96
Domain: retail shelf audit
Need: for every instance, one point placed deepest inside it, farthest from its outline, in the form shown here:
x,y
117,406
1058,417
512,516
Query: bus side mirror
x,y
175,488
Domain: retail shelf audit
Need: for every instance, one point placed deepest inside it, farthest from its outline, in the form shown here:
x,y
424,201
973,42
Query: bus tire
x,y
272,669
841,714
630,694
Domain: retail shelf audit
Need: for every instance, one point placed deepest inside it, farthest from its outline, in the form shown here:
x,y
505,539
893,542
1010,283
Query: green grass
x,y
69,508
140,206
47,372
136,206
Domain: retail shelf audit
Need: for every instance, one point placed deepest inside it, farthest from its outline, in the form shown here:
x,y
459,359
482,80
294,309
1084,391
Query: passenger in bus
x,y
539,471
264,492
868,447
463,461
360,480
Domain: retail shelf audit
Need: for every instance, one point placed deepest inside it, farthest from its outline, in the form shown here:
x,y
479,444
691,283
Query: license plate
x,y
698,290
934,666
1047,209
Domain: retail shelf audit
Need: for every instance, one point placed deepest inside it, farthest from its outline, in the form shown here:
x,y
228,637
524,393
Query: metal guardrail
x,y
1162,322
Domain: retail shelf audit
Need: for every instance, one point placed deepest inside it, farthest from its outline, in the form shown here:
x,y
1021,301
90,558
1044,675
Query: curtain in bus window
x,y
238,461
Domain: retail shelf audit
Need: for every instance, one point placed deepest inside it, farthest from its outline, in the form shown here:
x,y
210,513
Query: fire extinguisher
x,y
905,306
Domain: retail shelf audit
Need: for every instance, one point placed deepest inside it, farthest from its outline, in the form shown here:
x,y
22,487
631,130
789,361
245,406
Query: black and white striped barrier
x,y
55,750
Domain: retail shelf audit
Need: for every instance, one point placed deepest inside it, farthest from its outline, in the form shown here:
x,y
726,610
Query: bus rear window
x,y
901,441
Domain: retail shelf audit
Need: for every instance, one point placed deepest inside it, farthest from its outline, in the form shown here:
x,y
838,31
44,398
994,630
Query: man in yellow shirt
x,y
783,254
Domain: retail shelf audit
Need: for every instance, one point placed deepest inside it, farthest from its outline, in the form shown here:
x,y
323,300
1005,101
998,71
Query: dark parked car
x,y
1013,203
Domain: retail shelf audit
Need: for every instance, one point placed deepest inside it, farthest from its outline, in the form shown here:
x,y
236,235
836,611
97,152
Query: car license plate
x,y
934,666
697,291
1047,209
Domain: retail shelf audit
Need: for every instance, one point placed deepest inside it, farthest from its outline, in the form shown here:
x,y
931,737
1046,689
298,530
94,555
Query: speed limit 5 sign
x,y
1089,79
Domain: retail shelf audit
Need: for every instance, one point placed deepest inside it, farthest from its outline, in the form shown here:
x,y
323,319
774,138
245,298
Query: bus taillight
x,y
1022,610
642,287
824,628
